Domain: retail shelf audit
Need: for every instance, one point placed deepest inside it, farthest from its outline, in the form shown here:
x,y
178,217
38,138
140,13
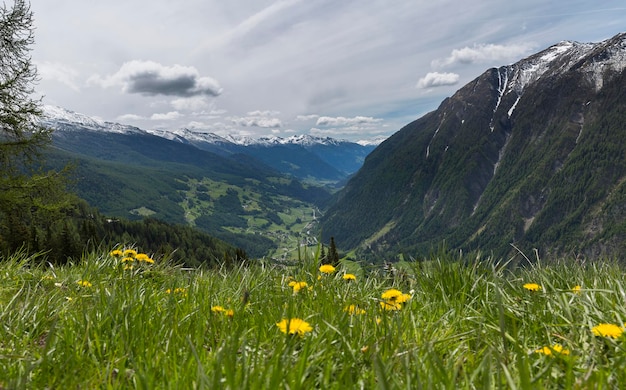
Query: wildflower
x,y
129,253
294,326
116,253
297,286
144,257
391,305
229,313
607,330
391,295
576,289
327,269
84,283
556,349
353,309
532,287
127,259
178,290
217,309
348,277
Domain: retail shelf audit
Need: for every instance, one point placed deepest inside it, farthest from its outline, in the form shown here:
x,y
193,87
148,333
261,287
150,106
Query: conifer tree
x,y
28,194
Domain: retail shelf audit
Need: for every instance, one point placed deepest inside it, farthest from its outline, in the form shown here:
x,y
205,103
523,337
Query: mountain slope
x,y
127,172
530,154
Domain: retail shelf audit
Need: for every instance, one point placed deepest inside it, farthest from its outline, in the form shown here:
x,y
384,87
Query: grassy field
x,y
443,323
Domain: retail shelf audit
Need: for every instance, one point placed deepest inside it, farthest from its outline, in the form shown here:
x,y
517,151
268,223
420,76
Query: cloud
x,y
130,117
343,121
58,72
436,79
307,117
256,121
484,53
151,78
166,117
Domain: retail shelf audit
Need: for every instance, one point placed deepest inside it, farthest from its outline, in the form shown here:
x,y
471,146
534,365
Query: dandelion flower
x,y
84,283
607,330
392,294
391,305
218,309
294,326
327,269
297,286
556,349
229,313
532,287
144,257
348,277
129,253
403,298
127,259
116,253
353,309
576,289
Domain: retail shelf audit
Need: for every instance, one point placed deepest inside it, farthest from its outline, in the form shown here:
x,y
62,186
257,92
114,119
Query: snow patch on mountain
x,y
65,120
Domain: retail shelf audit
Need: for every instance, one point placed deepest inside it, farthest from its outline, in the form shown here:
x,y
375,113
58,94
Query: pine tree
x,y
333,255
28,194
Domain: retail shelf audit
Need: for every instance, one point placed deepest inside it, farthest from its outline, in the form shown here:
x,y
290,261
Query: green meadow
x,y
118,320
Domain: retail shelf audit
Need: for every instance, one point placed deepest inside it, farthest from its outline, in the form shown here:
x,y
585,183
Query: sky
x,y
353,70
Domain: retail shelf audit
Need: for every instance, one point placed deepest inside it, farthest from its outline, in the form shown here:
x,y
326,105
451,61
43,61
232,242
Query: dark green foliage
x,y
30,196
83,228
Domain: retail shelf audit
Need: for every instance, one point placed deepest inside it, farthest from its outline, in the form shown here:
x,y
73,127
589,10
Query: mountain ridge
x,y
305,157
499,163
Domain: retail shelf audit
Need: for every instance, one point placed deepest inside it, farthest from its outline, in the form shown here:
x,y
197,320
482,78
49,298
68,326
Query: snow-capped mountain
x,y
531,154
303,156
65,120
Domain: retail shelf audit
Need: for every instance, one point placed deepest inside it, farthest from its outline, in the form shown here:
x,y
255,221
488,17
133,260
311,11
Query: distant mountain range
x,y
303,156
128,172
526,156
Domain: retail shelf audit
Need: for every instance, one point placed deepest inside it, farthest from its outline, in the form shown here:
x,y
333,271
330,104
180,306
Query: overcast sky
x,y
346,69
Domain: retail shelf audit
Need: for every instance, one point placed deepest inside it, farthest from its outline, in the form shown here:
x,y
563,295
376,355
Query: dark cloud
x,y
151,78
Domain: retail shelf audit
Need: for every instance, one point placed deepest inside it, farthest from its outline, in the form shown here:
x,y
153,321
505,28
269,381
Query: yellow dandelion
x,y
556,349
403,298
607,330
392,294
229,313
532,287
294,326
84,283
353,309
349,277
297,286
127,259
327,269
391,305
576,289
129,253
218,309
116,253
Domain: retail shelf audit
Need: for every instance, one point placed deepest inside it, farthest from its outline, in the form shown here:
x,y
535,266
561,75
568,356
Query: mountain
x,y
530,155
302,156
128,172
